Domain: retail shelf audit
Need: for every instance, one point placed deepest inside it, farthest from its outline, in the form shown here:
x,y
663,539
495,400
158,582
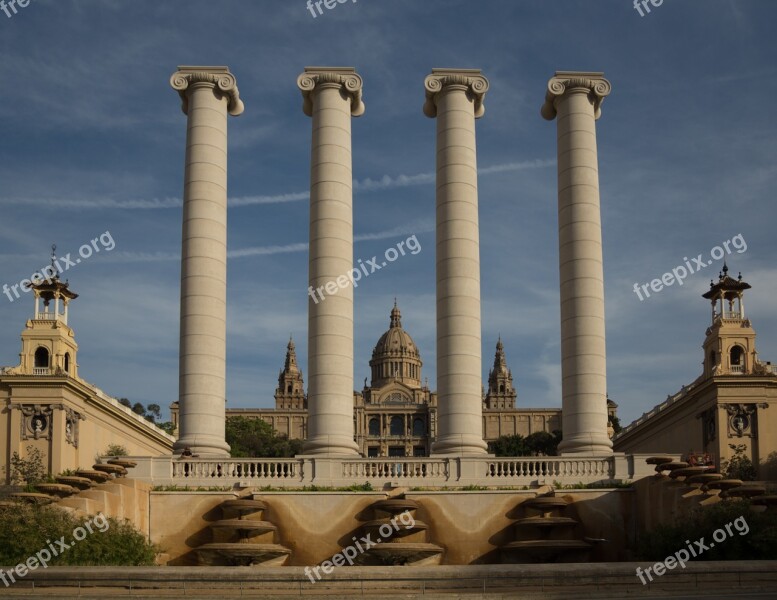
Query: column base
x,y
459,445
586,443
329,445
202,447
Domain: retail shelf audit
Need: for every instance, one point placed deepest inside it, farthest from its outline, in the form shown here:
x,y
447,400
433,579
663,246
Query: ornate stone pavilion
x,y
732,402
396,414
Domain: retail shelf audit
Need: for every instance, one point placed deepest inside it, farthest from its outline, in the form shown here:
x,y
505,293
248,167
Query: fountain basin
x,y
245,527
394,506
33,498
56,489
373,527
545,522
110,469
401,553
96,476
242,555
659,460
243,506
82,483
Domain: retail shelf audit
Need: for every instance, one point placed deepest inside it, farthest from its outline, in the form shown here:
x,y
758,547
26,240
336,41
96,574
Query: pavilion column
x,y
207,94
575,99
455,99
331,96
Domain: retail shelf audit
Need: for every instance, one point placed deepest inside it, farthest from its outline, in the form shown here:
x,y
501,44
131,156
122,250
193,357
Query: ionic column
x,y
331,96
576,98
208,94
455,98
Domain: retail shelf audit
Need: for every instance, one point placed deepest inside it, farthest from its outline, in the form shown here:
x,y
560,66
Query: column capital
x,y
472,81
345,77
217,77
592,83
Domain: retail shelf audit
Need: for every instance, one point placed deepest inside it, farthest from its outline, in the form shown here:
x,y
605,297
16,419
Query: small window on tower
x,y
67,362
42,358
501,388
737,354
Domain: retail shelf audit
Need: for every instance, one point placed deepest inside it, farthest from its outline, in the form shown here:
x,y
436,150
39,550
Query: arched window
x,y
288,389
67,362
397,425
501,388
374,426
42,358
737,356
713,356
419,427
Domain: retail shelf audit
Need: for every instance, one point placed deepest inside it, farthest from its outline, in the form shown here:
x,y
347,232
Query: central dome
x,y
396,357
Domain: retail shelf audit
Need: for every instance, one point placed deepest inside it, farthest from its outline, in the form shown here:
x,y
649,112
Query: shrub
x,y
759,543
739,466
115,450
25,529
29,470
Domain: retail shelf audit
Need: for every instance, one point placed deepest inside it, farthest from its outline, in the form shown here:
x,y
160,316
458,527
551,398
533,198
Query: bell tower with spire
x,y
291,387
48,343
501,393
729,348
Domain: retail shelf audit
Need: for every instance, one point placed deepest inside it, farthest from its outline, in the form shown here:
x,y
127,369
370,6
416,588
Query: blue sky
x,y
92,140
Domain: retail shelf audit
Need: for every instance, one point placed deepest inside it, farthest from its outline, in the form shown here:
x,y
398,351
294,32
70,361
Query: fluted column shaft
x,y
208,93
574,99
331,97
455,98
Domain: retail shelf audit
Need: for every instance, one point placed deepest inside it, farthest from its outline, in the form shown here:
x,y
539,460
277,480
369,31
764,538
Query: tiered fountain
x,y
242,541
404,543
545,534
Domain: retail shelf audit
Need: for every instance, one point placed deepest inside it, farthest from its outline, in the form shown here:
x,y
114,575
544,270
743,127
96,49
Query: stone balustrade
x,y
420,472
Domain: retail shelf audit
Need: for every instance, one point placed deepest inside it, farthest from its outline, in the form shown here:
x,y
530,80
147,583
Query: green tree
x,y
542,443
167,426
616,424
253,438
509,445
138,409
125,402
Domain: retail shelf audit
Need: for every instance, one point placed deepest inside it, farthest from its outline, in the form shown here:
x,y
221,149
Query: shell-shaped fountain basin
x,y
373,527
59,490
689,472
723,484
245,527
33,497
116,470
671,466
243,506
659,460
242,555
82,483
545,522
545,503
770,500
404,553
395,506
122,462
96,476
